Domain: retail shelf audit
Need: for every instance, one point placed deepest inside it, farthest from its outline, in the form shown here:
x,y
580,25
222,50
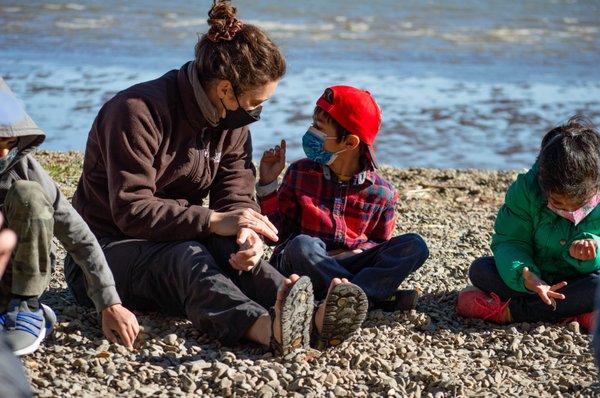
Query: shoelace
x,y
495,304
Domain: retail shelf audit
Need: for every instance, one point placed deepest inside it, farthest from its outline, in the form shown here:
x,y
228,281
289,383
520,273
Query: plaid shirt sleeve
x,y
281,208
386,224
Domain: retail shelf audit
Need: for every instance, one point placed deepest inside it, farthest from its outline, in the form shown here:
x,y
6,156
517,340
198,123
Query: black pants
x,y
187,278
528,307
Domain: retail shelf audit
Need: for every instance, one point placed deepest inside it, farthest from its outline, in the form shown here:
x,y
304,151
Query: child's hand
x,y
272,164
120,325
584,249
546,292
250,253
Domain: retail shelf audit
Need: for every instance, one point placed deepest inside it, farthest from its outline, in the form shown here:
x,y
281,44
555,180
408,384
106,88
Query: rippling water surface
x,y
461,83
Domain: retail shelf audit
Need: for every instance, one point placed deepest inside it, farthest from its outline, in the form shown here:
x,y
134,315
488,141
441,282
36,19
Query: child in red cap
x,y
334,212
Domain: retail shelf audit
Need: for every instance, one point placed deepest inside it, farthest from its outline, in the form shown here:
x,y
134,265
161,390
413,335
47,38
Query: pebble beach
x,y
427,352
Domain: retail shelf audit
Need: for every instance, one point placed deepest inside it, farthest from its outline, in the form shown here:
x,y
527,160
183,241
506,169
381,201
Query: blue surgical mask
x,y
5,161
313,143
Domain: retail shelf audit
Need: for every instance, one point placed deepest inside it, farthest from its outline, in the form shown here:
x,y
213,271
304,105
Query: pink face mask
x,y
578,215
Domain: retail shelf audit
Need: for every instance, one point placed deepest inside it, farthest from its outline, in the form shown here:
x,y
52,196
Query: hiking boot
x,y
346,308
474,303
295,319
25,328
402,300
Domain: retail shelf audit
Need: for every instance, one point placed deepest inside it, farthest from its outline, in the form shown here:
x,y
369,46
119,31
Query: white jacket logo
x,y
216,158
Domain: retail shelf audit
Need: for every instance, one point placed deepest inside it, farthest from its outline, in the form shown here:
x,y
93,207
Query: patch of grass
x,y
64,168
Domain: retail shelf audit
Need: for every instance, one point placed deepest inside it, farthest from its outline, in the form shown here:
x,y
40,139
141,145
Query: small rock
x,y
540,329
225,383
170,339
171,373
198,365
269,374
574,327
245,386
188,385
220,369
331,379
98,371
111,369
266,392
123,385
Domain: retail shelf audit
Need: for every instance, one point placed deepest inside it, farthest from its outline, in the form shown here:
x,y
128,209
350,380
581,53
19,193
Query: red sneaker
x,y
587,321
473,303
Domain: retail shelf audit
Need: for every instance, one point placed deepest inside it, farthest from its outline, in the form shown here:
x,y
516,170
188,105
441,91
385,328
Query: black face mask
x,y
238,118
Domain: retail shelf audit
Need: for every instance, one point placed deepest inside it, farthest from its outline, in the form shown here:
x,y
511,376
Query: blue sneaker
x,y
50,318
26,329
2,321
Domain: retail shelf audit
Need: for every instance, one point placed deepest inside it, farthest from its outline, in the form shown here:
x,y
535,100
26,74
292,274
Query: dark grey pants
x,y
187,278
13,382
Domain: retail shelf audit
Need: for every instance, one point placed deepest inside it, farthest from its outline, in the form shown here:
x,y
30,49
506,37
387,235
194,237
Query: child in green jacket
x,y
546,260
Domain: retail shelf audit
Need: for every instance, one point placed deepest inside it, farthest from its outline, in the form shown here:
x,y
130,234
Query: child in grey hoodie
x,y
36,210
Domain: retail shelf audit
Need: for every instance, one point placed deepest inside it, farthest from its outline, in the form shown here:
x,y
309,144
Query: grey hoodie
x,y
69,227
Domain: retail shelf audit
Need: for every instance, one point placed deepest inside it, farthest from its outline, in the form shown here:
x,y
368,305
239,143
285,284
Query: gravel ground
x,y
430,352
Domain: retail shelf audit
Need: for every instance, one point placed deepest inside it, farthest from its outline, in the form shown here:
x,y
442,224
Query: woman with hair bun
x,y
155,152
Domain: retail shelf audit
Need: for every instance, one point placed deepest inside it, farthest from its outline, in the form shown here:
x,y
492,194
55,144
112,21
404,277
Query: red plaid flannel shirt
x,y
311,200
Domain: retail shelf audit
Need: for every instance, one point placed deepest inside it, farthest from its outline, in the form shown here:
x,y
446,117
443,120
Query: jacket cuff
x,y
105,297
202,221
514,279
520,286
264,190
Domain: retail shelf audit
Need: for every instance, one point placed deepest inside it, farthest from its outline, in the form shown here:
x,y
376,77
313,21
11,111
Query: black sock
x,y
32,301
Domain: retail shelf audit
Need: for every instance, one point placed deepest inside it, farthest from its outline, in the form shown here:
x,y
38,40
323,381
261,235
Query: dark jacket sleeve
x,y
233,186
129,138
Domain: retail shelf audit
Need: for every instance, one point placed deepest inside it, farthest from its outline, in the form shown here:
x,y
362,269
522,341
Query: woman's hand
x,y
232,222
546,292
272,164
251,250
119,319
583,249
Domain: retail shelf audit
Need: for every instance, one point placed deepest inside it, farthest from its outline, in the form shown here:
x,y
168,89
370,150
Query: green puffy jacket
x,y
528,234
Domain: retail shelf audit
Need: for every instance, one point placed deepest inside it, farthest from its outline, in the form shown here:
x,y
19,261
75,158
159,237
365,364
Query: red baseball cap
x,y
355,110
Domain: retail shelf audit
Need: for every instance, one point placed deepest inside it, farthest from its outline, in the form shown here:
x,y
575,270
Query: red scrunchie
x,y
227,33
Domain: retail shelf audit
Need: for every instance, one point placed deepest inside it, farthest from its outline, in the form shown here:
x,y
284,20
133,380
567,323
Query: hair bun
x,y
222,21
